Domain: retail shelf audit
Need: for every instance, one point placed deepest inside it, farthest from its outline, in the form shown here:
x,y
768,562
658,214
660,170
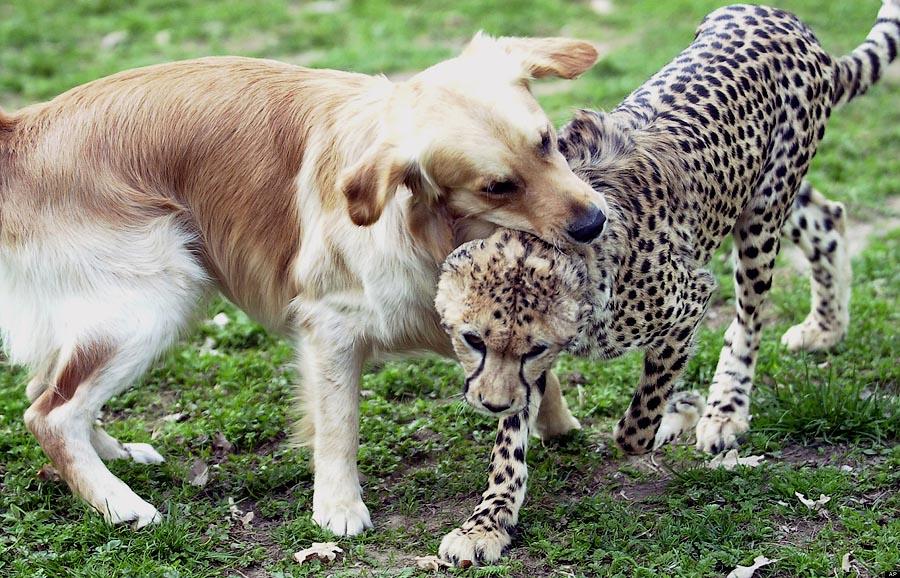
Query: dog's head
x,y
511,304
468,134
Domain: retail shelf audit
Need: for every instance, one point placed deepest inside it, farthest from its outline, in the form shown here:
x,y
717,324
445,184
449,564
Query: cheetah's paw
x,y
809,336
681,415
478,545
717,432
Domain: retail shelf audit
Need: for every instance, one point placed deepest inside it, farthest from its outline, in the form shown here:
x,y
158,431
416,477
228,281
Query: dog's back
x,y
215,143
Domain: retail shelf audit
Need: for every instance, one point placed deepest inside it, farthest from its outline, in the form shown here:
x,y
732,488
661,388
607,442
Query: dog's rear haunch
x,y
320,202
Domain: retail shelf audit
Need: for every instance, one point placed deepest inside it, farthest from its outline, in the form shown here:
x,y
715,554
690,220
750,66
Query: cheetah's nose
x,y
589,226
491,407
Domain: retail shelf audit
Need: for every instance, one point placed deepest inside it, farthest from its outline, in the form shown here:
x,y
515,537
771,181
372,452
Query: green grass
x,y
590,511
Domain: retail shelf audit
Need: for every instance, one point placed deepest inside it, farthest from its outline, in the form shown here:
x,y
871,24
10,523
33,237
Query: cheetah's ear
x,y
453,285
371,183
540,57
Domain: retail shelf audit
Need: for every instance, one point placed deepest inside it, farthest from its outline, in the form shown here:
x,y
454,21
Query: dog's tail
x,y
862,68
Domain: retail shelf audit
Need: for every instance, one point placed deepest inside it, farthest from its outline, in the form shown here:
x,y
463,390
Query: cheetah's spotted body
x,y
716,143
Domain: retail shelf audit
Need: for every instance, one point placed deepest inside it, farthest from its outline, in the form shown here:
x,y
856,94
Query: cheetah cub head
x,y
511,304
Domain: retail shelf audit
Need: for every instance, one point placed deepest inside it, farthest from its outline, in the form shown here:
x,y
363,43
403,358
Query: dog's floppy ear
x,y
371,183
541,57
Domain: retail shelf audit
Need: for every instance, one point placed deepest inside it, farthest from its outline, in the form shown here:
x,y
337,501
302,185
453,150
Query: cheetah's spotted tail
x,y
862,68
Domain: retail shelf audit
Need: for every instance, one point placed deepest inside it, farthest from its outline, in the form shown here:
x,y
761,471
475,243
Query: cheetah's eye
x,y
536,350
474,341
504,187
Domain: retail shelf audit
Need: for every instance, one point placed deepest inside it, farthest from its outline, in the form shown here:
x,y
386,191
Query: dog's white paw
x,y
342,517
809,336
478,545
143,453
718,432
124,508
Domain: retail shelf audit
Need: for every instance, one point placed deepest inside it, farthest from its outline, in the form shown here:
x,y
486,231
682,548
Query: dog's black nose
x,y
491,407
589,226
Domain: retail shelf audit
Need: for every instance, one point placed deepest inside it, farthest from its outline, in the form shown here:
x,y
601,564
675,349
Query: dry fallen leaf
x,y
846,566
747,571
431,563
209,347
221,445
322,551
731,460
113,39
815,505
199,473
233,510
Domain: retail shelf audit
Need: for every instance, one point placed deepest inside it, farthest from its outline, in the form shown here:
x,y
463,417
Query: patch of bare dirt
x,y
258,533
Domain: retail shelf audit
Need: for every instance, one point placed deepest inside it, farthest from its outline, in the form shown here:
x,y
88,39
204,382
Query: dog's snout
x,y
492,407
589,226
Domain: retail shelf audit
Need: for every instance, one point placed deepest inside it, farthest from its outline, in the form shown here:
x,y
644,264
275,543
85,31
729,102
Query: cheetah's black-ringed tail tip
x,y
858,71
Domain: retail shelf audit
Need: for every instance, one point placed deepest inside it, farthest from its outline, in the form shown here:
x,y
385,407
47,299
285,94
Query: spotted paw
x,y
343,518
717,432
809,336
682,414
478,546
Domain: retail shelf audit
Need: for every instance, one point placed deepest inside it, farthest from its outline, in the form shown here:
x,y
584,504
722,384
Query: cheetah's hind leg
x,y
818,227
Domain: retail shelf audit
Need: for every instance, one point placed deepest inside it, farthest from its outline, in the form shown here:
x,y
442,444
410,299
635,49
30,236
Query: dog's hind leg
x,y
112,324
817,226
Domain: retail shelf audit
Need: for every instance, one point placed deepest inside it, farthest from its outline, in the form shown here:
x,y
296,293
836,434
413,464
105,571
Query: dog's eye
x,y
536,350
500,187
474,341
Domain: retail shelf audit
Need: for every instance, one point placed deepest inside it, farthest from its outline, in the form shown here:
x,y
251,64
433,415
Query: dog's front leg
x,y
486,534
331,374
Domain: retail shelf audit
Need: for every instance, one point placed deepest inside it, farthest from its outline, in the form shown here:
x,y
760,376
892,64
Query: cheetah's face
x,y
511,305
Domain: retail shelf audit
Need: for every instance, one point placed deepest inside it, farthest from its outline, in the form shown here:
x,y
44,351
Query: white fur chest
x,y
386,297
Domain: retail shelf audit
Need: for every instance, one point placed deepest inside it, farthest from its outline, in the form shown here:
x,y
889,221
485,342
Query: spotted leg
x,y
727,413
636,432
817,226
486,534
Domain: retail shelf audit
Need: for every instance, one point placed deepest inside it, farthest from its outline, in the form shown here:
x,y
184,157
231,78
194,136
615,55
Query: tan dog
x,y
321,202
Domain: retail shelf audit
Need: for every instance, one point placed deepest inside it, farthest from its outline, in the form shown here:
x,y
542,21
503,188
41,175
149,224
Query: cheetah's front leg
x,y
639,430
727,413
486,534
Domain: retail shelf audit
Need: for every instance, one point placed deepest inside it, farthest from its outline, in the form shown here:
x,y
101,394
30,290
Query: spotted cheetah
x,y
716,143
